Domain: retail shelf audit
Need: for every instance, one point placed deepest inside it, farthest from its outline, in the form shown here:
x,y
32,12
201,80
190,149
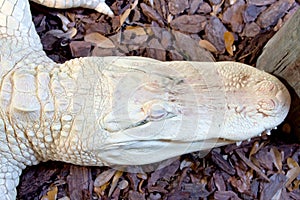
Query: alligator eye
x,y
157,110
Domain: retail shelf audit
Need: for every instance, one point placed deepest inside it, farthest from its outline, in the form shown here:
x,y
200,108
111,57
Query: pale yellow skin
x,y
119,110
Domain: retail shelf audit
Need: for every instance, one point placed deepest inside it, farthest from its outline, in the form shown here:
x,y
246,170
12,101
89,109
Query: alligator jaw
x,y
146,152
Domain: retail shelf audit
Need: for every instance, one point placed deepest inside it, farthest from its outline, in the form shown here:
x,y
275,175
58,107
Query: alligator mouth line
x,y
162,143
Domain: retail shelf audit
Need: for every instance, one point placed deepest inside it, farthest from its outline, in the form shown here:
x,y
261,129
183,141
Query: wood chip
x,y
270,16
79,182
222,163
99,40
251,12
276,183
234,16
226,195
215,33
195,4
152,14
251,30
261,3
208,46
177,6
204,8
251,165
189,23
80,48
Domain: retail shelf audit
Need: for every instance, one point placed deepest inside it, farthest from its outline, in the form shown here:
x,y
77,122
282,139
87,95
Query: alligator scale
x,y
119,110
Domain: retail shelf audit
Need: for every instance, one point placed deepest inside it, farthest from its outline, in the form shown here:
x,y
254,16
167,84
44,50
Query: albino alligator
x,y
119,110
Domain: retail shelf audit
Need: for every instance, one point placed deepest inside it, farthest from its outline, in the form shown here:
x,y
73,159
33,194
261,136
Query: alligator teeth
x,y
249,140
259,135
238,143
268,132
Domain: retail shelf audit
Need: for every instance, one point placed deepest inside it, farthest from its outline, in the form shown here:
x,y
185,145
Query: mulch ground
x,y
265,167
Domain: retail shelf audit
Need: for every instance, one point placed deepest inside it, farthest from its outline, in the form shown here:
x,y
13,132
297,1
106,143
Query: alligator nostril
x,y
266,86
267,104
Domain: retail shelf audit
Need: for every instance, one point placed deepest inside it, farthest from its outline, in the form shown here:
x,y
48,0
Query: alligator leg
x,y
9,180
12,160
98,5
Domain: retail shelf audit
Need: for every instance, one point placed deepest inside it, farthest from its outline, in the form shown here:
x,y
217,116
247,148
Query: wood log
x,y
281,57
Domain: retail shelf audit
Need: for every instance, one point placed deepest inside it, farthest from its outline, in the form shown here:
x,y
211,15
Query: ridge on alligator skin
x,y
119,110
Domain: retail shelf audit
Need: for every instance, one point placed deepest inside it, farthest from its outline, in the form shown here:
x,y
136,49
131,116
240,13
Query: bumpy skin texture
x,y
98,5
119,110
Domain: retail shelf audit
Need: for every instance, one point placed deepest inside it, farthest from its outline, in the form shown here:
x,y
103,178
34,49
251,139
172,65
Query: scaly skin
x,y
98,5
119,111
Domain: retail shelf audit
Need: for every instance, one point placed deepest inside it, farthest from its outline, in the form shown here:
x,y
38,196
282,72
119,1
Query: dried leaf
x,y
142,176
255,148
100,40
137,30
51,194
292,174
296,185
100,190
277,158
229,40
216,8
104,177
140,186
60,34
125,15
64,20
208,46
114,182
292,163
72,16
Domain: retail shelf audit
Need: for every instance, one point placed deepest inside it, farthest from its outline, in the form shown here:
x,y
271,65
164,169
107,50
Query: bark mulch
x,y
265,167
